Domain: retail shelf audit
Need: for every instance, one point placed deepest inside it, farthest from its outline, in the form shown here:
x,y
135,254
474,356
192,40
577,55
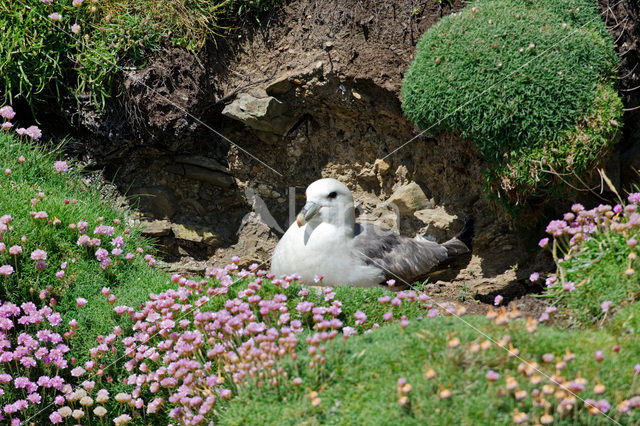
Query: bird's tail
x,y
461,243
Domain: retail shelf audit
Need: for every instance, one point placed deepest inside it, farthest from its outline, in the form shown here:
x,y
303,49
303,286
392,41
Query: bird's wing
x,y
400,257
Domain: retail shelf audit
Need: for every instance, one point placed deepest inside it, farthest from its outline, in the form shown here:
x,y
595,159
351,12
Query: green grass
x,y
361,388
537,98
130,281
41,60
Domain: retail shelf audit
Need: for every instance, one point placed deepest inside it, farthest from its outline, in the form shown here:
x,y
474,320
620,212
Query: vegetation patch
x,y
530,83
596,252
52,48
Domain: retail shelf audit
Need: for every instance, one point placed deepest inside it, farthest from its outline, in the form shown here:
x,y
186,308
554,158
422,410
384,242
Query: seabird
x,y
326,240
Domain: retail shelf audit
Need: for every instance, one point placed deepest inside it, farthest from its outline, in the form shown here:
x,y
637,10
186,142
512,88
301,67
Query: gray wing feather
x,y
398,256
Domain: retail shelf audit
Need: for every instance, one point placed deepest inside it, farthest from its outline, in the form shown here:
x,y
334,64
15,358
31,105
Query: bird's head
x,y
329,201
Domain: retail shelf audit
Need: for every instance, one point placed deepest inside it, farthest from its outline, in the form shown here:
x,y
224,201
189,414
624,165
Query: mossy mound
x,y
530,83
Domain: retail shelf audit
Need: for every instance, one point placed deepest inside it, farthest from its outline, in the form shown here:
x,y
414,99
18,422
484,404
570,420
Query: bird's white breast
x,y
324,250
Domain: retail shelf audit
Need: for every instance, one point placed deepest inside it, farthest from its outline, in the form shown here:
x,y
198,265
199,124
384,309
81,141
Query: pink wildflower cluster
x,y
8,114
33,359
574,234
579,224
191,359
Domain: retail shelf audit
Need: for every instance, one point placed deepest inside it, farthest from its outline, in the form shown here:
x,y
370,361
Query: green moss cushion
x,y
529,82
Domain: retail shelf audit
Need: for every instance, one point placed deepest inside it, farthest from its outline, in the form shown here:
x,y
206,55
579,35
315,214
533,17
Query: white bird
x,y
326,240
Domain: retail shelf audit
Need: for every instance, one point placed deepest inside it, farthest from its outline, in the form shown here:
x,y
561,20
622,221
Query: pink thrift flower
x,y
534,277
102,254
568,286
34,132
78,371
599,356
7,125
634,198
349,331
7,172
404,322
81,301
21,131
492,376
55,417
543,242
15,250
61,166
7,112
606,305
83,240
39,255
498,300
60,274
360,317
77,3
118,242
55,16
75,28
6,270
548,358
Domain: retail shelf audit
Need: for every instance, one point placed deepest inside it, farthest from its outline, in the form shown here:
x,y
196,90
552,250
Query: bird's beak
x,y
308,212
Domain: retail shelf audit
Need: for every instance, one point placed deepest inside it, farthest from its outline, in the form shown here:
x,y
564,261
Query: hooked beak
x,y
307,213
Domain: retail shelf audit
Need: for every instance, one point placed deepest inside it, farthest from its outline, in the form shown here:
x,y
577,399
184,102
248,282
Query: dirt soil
x,y
335,67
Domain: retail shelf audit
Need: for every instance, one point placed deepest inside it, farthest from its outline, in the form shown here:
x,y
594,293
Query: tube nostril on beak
x,y
308,212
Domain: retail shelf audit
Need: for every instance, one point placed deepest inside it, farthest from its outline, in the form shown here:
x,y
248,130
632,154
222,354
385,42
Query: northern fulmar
x,y
326,240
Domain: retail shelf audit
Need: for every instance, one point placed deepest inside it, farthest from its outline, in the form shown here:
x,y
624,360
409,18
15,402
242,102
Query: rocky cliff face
x,y
219,149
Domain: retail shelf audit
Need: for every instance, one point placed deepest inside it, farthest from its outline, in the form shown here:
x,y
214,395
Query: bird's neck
x,y
344,219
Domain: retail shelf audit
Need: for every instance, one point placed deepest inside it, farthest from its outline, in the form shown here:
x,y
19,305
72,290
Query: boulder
x,y
262,114
438,223
195,235
156,228
410,198
280,86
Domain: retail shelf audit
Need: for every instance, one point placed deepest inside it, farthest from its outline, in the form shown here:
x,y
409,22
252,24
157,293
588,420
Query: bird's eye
x,y
333,194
